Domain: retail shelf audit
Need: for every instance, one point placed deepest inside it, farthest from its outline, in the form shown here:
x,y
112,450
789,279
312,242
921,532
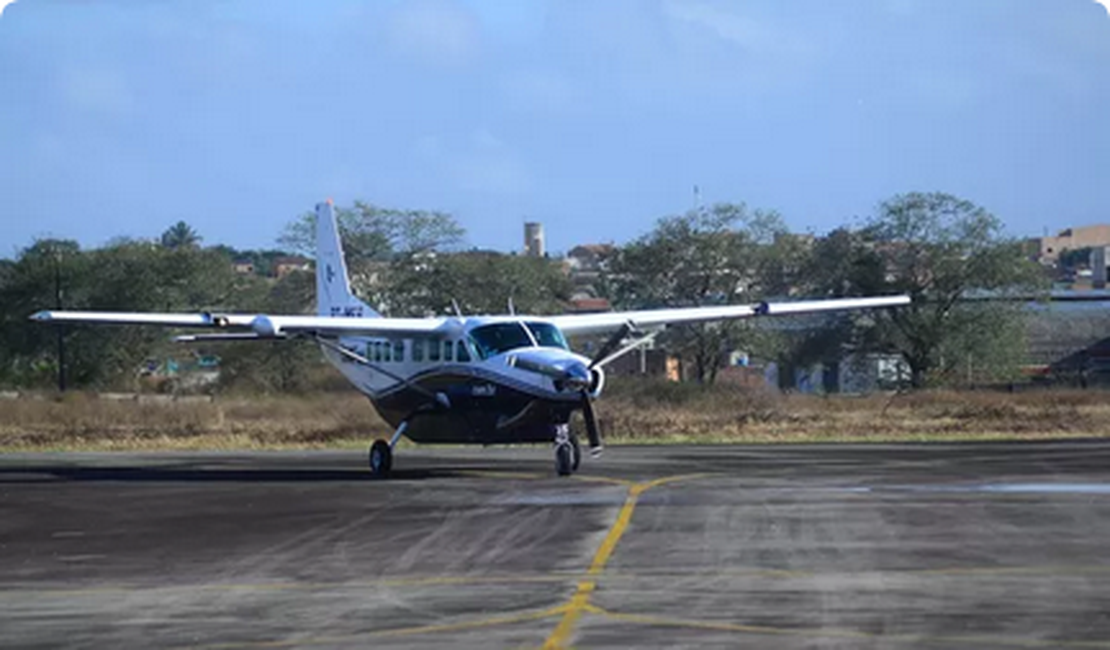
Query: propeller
x,y
593,434
582,378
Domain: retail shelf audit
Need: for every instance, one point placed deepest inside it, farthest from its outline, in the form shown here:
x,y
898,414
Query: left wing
x,y
575,324
248,326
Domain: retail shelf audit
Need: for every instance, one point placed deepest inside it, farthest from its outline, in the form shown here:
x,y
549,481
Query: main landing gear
x,y
380,457
568,453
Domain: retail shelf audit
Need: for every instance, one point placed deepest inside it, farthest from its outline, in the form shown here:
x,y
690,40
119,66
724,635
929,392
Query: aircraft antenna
x,y
512,309
455,304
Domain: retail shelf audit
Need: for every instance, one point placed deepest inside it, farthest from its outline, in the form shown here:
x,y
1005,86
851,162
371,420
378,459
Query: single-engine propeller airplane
x,y
478,379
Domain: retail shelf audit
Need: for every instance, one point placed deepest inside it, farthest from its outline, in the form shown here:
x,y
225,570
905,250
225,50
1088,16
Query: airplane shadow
x,y
186,474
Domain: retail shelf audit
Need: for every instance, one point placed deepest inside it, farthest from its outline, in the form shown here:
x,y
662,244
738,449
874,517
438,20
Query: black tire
x,y
576,453
564,460
380,458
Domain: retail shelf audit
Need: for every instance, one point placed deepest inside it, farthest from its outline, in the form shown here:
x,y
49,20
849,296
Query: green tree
x,y
373,233
723,254
180,235
274,366
30,284
123,276
480,282
941,250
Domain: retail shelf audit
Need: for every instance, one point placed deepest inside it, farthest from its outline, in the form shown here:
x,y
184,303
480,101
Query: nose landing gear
x,y
568,453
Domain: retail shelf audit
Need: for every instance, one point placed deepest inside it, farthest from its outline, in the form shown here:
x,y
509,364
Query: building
x,y
587,304
1047,250
283,266
588,259
243,267
533,239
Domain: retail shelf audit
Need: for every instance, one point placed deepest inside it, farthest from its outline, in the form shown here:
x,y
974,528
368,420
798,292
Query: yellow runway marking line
x,y
580,601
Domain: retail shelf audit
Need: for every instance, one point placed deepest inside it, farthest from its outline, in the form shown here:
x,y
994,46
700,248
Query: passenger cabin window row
x,y
432,350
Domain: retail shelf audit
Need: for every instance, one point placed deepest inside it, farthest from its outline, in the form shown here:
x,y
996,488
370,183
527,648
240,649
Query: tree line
x,y
937,248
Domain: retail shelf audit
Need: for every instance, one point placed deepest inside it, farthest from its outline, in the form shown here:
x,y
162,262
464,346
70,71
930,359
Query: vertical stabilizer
x,y
333,288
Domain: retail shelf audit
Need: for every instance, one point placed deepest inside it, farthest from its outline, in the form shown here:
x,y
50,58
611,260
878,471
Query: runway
x,y
849,546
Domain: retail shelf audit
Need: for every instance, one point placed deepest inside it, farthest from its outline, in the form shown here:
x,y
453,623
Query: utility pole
x,y
61,328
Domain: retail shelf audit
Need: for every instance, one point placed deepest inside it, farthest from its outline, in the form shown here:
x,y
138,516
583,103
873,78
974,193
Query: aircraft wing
x,y
576,324
248,326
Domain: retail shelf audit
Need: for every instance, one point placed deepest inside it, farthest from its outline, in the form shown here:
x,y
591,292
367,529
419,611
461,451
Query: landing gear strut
x,y
381,452
568,453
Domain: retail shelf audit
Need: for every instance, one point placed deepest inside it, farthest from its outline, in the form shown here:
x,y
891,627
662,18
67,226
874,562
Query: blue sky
x,y
120,117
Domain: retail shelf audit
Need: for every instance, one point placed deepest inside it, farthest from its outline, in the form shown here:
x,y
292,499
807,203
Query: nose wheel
x,y
568,453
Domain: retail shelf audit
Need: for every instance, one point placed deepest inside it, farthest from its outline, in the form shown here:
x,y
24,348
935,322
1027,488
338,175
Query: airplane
x,y
507,379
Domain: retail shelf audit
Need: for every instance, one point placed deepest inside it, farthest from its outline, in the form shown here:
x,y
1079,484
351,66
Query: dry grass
x,y
754,417
638,413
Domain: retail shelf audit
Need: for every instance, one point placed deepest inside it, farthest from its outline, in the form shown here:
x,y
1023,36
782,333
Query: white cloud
x,y
1105,5
4,5
434,31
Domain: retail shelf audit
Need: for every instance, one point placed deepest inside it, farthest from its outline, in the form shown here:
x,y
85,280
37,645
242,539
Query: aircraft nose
x,y
577,376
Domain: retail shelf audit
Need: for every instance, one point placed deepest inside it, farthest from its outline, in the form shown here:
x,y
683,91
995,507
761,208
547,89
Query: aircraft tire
x,y
576,453
564,459
380,458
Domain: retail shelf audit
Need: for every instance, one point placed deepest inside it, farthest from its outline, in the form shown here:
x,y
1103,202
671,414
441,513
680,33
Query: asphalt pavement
x,y
846,546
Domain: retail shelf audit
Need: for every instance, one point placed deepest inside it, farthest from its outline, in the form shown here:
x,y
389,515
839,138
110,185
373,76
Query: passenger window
x,y
448,350
418,350
433,350
398,350
461,353
377,351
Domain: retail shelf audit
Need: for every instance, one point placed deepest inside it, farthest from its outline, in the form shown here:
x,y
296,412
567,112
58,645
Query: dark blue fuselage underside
x,y
482,411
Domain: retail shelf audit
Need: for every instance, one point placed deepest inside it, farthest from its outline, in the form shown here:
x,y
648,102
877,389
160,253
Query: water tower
x,y
533,239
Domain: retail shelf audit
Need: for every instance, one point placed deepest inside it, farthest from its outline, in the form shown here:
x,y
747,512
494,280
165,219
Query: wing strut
x,y
439,399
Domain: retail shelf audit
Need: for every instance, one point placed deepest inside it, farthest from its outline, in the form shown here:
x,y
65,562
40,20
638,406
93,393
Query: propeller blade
x,y
592,434
611,344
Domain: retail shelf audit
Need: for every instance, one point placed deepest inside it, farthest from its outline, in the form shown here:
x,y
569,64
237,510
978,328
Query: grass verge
x,y
634,413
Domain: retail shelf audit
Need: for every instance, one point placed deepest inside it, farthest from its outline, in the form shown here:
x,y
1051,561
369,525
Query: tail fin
x,y
333,288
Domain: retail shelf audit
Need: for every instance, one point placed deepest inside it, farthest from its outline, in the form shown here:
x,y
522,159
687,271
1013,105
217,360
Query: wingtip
x,y
41,316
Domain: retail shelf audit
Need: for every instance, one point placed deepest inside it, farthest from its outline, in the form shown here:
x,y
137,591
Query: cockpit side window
x,y
547,335
462,354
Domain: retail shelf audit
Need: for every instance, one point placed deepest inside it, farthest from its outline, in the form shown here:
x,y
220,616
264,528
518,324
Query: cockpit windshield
x,y
496,338
547,335
499,337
